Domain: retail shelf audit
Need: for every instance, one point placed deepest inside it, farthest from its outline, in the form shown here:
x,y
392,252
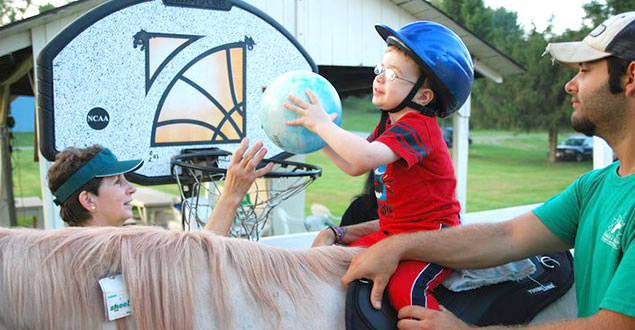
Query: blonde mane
x,y
49,278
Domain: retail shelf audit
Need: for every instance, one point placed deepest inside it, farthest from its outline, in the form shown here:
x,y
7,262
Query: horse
x,y
175,280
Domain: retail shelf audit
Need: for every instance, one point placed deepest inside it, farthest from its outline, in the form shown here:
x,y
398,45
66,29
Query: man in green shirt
x,y
596,214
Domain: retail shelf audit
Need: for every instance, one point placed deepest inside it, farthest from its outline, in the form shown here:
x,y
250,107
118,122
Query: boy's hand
x,y
324,238
311,115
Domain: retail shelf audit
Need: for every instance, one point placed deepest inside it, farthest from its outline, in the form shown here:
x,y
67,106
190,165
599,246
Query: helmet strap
x,y
382,123
408,101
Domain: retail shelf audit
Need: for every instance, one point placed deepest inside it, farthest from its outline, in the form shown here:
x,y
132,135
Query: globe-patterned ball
x,y
296,139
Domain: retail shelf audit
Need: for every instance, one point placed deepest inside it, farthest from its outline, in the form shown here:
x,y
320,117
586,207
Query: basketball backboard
x,y
148,79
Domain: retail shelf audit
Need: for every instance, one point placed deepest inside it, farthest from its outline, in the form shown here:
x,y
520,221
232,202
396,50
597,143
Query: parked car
x,y
448,136
575,148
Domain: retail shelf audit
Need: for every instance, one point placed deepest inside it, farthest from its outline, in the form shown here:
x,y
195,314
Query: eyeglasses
x,y
388,73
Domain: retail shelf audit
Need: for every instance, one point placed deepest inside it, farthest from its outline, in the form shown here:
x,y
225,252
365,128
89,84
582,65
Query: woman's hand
x,y
241,174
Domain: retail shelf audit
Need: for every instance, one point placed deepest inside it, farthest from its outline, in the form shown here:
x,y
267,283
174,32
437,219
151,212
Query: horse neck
x,y
321,305
282,284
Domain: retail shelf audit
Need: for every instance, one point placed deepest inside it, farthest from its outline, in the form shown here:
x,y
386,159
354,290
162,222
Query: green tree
x,y
597,12
12,10
535,99
541,102
45,7
15,10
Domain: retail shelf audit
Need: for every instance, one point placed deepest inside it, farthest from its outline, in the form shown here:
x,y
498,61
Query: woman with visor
x,y
90,187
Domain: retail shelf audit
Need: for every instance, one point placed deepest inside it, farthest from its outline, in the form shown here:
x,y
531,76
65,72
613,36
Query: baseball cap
x,y
614,37
104,164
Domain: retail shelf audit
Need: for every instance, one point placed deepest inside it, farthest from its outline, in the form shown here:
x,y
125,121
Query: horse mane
x,y
49,278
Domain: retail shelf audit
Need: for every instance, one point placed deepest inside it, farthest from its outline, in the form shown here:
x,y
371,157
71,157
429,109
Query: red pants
x,y
413,281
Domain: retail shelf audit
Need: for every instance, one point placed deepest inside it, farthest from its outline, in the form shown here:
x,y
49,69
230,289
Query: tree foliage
x,y
597,12
13,10
536,98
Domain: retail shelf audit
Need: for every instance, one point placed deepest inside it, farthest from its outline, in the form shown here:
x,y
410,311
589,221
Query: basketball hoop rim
x,y
302,169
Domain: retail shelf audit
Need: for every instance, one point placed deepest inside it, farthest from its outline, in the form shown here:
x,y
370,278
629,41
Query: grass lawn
x,y
500,175
358,114
505,168
22,139
334,188
26,172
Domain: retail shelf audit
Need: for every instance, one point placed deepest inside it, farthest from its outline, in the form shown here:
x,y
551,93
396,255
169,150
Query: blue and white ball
x,y
296,139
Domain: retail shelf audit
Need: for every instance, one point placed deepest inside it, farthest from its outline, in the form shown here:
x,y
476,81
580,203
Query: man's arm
x,y
470,246
417,317
484,245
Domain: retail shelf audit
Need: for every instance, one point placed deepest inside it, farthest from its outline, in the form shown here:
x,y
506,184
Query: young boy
x,y
426,72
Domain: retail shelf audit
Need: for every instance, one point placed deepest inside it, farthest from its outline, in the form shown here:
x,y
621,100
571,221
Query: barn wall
x,y
336,32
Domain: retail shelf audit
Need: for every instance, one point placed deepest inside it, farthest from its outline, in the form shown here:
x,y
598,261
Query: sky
x,y
567,14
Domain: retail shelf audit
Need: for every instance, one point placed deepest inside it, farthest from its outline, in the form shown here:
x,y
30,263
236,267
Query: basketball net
x,y
201,183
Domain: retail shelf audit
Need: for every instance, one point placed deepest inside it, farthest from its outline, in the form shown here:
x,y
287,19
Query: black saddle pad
x,y
510,302
506,303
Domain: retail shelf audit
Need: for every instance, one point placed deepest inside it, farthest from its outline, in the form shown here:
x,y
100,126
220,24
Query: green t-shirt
x,y
597,214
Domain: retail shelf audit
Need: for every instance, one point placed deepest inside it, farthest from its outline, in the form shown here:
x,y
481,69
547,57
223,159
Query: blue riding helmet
x,y
442,57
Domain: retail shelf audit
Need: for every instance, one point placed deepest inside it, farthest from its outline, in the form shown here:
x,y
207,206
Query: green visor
x,y
104,163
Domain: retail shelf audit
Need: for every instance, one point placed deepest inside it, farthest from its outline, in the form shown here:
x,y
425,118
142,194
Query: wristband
x,y
339,234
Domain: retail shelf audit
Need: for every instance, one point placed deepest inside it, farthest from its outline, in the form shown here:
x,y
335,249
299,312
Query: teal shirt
x,y
597,215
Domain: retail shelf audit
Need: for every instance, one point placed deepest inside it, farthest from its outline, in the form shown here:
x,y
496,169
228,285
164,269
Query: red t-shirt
x,y
416,192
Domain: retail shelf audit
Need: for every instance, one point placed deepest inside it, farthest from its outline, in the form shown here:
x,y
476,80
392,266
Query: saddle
x,y
505,303
360,314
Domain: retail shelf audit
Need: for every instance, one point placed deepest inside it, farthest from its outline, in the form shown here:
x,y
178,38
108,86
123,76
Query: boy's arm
x,y
361,168
349,233
338,161
358,155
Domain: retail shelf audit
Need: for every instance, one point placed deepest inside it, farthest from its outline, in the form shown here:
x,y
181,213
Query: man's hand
x,y
377,263
310,115
420,318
